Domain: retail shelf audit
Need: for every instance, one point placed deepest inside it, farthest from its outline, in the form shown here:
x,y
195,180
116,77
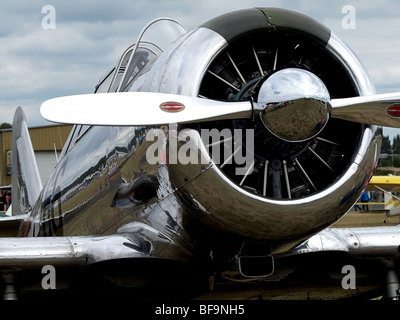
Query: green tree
x,y
396,145
5,125
386,145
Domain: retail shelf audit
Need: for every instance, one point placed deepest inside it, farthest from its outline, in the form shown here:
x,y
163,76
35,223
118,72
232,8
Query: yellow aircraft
x,y
390,186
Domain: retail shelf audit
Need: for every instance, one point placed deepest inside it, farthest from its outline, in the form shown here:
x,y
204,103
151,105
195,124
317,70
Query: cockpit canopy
x,y
154,39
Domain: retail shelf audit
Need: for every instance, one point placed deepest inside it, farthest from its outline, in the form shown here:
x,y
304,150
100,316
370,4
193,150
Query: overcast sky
x,y
38,63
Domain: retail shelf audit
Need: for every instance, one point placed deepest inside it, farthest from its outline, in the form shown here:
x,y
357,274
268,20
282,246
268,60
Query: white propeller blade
x,y
151,108
380,109
139,108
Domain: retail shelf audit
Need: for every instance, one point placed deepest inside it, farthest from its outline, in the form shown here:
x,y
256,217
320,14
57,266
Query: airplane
x,y
181,178
390,186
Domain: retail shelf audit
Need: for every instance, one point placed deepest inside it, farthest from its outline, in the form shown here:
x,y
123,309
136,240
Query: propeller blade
x,y
140,108
380,109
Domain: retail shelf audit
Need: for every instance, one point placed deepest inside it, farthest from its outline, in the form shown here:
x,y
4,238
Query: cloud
x,y
378,48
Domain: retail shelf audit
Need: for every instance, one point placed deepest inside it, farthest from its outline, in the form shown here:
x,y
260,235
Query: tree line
x,y
392,150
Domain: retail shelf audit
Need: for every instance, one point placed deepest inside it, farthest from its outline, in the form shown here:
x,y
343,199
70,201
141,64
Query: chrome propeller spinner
x,y
296,104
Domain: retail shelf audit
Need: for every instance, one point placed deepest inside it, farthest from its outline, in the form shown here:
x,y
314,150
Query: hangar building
x,y
47,142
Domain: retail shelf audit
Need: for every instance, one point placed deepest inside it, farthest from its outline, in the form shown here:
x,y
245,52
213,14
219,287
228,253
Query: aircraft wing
x,y
347,261
371,242
388,183
42,263
22,252
26,259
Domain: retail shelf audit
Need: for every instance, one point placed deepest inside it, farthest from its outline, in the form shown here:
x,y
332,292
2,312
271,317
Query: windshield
x,y
154,39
